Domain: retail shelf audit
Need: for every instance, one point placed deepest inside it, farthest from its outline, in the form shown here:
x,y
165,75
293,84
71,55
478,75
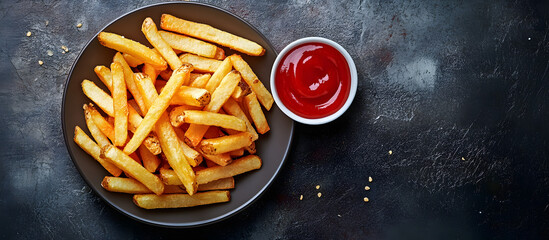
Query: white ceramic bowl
x,y
352,90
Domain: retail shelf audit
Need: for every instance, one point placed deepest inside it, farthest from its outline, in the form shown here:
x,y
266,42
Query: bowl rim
x,y
67,137
352,90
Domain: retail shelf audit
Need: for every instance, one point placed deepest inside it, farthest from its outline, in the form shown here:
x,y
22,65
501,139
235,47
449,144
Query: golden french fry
x,y
232,108
168,138
120,101
222,159
226,143
188,44
96,133
132,103
132,168
223,92
238,166
214,119
151,201
132,186
129,79
131,60
219,54
160,105
151,33
237,153
150,71
150,161
169,178
153,144
194,157
104,74
191,96
166,74
211,34
98,96
215,132
177,115
251,149
90,147
251,79
101,123
200,81
224,68
200,64
256,113
133,48
241,90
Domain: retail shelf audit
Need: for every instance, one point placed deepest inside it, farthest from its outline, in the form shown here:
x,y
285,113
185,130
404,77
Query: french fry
x,y
215,132
150,161
222,159
153,144
90,147
224,68
256,113
237,153
151,201
132,103
191,45
241,90
221,94
160,105
96,133
177,115
251,149
200,64
200,81
214,119
166,135
132,186
211,34
120,101
136,49
99,121
151,33
219,54
191,96
226,143
194,157
238,166
136,158
166,74
104,74
129,79
263,95
210,163
169,178
131,60
232,108
98,96
150,71
132,168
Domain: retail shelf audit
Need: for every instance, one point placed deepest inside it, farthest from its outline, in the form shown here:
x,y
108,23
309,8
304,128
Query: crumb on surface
x,y
47,22
370,179
29,34
49,52
339,215
366,199
79,25
390,152
367,188
65,48
317,187
319,194
301,197
40,62
462,159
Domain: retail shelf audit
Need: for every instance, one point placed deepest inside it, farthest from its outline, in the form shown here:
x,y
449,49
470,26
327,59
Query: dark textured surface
x,y
437,82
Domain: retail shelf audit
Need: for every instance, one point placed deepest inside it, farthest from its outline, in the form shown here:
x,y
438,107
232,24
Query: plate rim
x,y
148,221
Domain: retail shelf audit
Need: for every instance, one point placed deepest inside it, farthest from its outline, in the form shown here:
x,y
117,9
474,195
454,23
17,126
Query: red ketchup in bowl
x,y
313,80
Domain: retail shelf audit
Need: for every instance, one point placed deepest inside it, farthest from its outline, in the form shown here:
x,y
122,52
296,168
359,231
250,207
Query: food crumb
x,y
65,48
79,25
300,197
367,188
47,22
319,194
390,152
529,39
370,179
462,159
29,34
366,199
40,62
317,186
339,215
49,52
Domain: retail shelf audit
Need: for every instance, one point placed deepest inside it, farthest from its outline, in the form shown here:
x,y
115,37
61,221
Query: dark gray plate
x,y
272,147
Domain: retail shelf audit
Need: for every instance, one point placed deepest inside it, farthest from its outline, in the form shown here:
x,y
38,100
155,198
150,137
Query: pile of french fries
x,y
181,118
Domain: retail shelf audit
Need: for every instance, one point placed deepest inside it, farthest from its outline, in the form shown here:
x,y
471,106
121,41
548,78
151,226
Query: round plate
x,y
271,147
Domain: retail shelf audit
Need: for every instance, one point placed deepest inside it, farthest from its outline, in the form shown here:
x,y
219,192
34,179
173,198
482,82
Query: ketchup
x,y
313,80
